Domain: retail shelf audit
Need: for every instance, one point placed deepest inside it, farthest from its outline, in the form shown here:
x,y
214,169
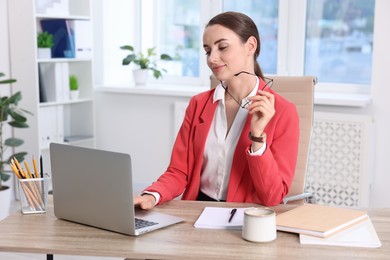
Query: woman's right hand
x,y
146,201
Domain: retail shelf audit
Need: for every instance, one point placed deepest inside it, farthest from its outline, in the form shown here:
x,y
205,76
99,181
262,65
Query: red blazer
x,y
257,179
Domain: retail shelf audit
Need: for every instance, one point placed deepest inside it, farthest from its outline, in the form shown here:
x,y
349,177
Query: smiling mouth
x,y
218,68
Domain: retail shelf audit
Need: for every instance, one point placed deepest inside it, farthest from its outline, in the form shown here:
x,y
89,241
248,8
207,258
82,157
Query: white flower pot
x,y
140,76
5,202
74,94
44,53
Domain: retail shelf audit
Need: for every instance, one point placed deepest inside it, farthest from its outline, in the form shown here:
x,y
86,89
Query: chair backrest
x,y
300,91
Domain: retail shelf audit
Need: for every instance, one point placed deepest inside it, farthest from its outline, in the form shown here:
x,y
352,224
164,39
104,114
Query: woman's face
x,y
225,52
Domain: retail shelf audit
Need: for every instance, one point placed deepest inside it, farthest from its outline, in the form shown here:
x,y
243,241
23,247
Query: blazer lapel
x,y
201,130
239,161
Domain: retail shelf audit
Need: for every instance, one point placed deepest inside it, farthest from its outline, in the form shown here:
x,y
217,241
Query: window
x,y
330,39
177,31
338,47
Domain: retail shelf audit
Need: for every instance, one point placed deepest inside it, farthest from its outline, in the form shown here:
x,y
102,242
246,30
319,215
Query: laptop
x,y
94,187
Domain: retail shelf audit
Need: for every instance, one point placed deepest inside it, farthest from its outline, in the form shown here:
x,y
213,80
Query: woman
x,y
239,141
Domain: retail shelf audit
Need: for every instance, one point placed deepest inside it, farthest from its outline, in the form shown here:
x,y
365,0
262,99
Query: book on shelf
x,y
63,37
318,220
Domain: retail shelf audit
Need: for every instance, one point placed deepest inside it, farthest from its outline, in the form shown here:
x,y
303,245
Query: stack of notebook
x,y
328,225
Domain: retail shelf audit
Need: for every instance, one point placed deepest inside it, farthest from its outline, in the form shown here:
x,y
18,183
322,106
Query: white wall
x,y
381,105
141,125
4,53
4,59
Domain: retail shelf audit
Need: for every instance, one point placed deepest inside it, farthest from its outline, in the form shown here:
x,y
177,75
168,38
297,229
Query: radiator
x,y
340,157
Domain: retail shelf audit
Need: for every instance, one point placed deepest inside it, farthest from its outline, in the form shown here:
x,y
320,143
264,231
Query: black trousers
x,y
204,197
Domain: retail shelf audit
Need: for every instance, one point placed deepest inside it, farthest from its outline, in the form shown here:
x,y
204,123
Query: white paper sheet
x,y
218,218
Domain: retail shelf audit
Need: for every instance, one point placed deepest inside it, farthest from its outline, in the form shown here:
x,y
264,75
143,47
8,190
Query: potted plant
x,y
73,87
10,116
145,62
45,42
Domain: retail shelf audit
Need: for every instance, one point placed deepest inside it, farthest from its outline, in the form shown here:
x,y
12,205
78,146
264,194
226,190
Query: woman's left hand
x,y
262,109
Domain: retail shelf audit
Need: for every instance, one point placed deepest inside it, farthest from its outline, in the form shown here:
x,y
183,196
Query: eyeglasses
x,y
268,84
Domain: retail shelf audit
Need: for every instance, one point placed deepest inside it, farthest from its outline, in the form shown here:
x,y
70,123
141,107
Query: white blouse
x,y
219,148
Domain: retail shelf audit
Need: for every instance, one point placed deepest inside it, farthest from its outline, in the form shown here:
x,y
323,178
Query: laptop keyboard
x,y
141,223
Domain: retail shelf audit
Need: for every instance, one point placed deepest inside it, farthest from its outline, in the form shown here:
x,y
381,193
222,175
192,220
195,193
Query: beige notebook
x,y
318,220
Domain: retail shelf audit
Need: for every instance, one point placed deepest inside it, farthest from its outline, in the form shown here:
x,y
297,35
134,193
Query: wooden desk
x,y
45,234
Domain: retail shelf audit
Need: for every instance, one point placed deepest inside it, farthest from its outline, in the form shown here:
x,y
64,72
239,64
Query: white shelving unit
x,y
58,119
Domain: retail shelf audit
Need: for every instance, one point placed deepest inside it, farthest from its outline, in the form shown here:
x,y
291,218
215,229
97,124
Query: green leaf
x,y
5,177
127,47
165,57
130,58
18,117
157,74
15,98
19,156
7,81
13,142
18,124
151,52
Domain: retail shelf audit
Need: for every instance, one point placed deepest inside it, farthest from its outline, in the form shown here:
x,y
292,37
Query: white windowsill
x,y
342,99
321,98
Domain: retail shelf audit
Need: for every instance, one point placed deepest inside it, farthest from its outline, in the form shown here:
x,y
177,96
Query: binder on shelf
x,y
82,38
318,220
42,90
51,128
63,37
54,82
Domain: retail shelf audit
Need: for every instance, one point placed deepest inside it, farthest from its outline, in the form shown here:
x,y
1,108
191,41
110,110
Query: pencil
x,y
41,164
21,172
28,170
35,167
14,169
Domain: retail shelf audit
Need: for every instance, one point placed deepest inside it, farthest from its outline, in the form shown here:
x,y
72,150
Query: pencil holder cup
x,y
33,194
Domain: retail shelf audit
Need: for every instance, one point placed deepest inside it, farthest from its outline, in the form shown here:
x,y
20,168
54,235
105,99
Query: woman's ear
x,y
251,44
